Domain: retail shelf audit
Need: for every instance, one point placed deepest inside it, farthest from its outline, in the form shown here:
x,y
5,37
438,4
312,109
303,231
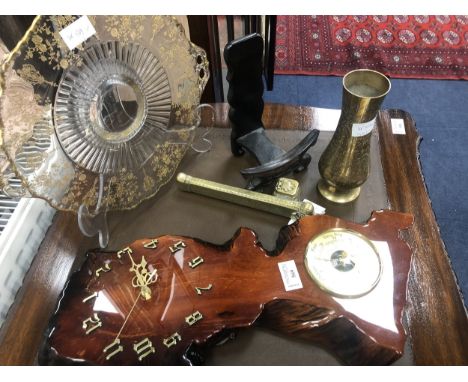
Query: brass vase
x,y
345,164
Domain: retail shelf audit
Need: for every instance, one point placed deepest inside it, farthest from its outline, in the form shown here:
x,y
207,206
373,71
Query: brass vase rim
x,y
389,84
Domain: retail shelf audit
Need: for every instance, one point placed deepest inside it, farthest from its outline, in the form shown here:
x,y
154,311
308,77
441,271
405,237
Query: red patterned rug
x,y
399,46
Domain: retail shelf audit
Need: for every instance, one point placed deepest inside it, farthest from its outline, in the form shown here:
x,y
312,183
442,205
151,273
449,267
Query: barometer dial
x,y
343,263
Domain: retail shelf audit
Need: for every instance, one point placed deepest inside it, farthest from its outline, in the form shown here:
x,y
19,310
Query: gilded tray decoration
x,y
104,124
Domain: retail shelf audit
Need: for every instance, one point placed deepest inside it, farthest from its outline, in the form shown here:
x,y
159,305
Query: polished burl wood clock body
x,y
165,300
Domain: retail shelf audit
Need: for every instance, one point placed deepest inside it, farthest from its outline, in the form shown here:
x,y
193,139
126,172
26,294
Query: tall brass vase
x,y
345,165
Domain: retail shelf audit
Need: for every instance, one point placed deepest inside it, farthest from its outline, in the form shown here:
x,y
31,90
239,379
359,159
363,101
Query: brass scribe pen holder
x,y
278,205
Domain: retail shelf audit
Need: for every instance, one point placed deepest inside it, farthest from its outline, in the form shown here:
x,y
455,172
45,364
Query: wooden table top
x,y
435,316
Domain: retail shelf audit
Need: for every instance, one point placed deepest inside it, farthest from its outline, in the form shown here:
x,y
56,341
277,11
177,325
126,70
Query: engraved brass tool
x,y
291,208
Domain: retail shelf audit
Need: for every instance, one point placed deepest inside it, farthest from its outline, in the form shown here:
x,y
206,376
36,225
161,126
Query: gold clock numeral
x,y
104,269
114,345
94,295
177,246
193,318
126,250
172,340
151,244
144,348
195,262
95,321
199,289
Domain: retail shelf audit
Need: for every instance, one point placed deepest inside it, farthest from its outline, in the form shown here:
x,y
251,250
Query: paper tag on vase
x,y
361,129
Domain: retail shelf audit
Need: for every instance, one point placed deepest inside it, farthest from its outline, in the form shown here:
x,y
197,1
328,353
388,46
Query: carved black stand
x,y
245,96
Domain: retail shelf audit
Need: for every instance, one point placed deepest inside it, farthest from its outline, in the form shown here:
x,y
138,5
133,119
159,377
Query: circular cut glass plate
x,y
113,109
105,123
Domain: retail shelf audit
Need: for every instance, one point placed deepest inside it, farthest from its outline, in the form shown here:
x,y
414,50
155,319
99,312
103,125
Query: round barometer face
x,y
342,262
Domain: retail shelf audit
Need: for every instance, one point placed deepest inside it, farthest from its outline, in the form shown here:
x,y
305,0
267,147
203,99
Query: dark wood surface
x,y
204,33
22,331
437,319
270,45
435,315
245,288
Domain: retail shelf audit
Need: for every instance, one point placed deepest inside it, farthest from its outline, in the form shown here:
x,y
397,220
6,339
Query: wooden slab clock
x,y
166,300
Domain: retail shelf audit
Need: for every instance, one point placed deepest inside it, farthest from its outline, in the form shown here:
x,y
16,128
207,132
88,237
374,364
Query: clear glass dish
x,y
102,126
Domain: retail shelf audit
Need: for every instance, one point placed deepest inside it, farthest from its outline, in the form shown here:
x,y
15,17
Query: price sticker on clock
x,y
290,275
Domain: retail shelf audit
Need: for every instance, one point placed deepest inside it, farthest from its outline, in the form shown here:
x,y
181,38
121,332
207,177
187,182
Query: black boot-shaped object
x,y
245,97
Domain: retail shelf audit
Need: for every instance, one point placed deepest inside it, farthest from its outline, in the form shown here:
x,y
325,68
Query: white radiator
x,y
23,224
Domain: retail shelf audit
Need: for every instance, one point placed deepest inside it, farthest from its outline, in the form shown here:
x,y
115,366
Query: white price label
x,y
361,129
398,126
290,275
77,32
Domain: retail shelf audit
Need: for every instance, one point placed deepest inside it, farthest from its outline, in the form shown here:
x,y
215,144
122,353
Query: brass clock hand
x,y
128,316
143,277
114,347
